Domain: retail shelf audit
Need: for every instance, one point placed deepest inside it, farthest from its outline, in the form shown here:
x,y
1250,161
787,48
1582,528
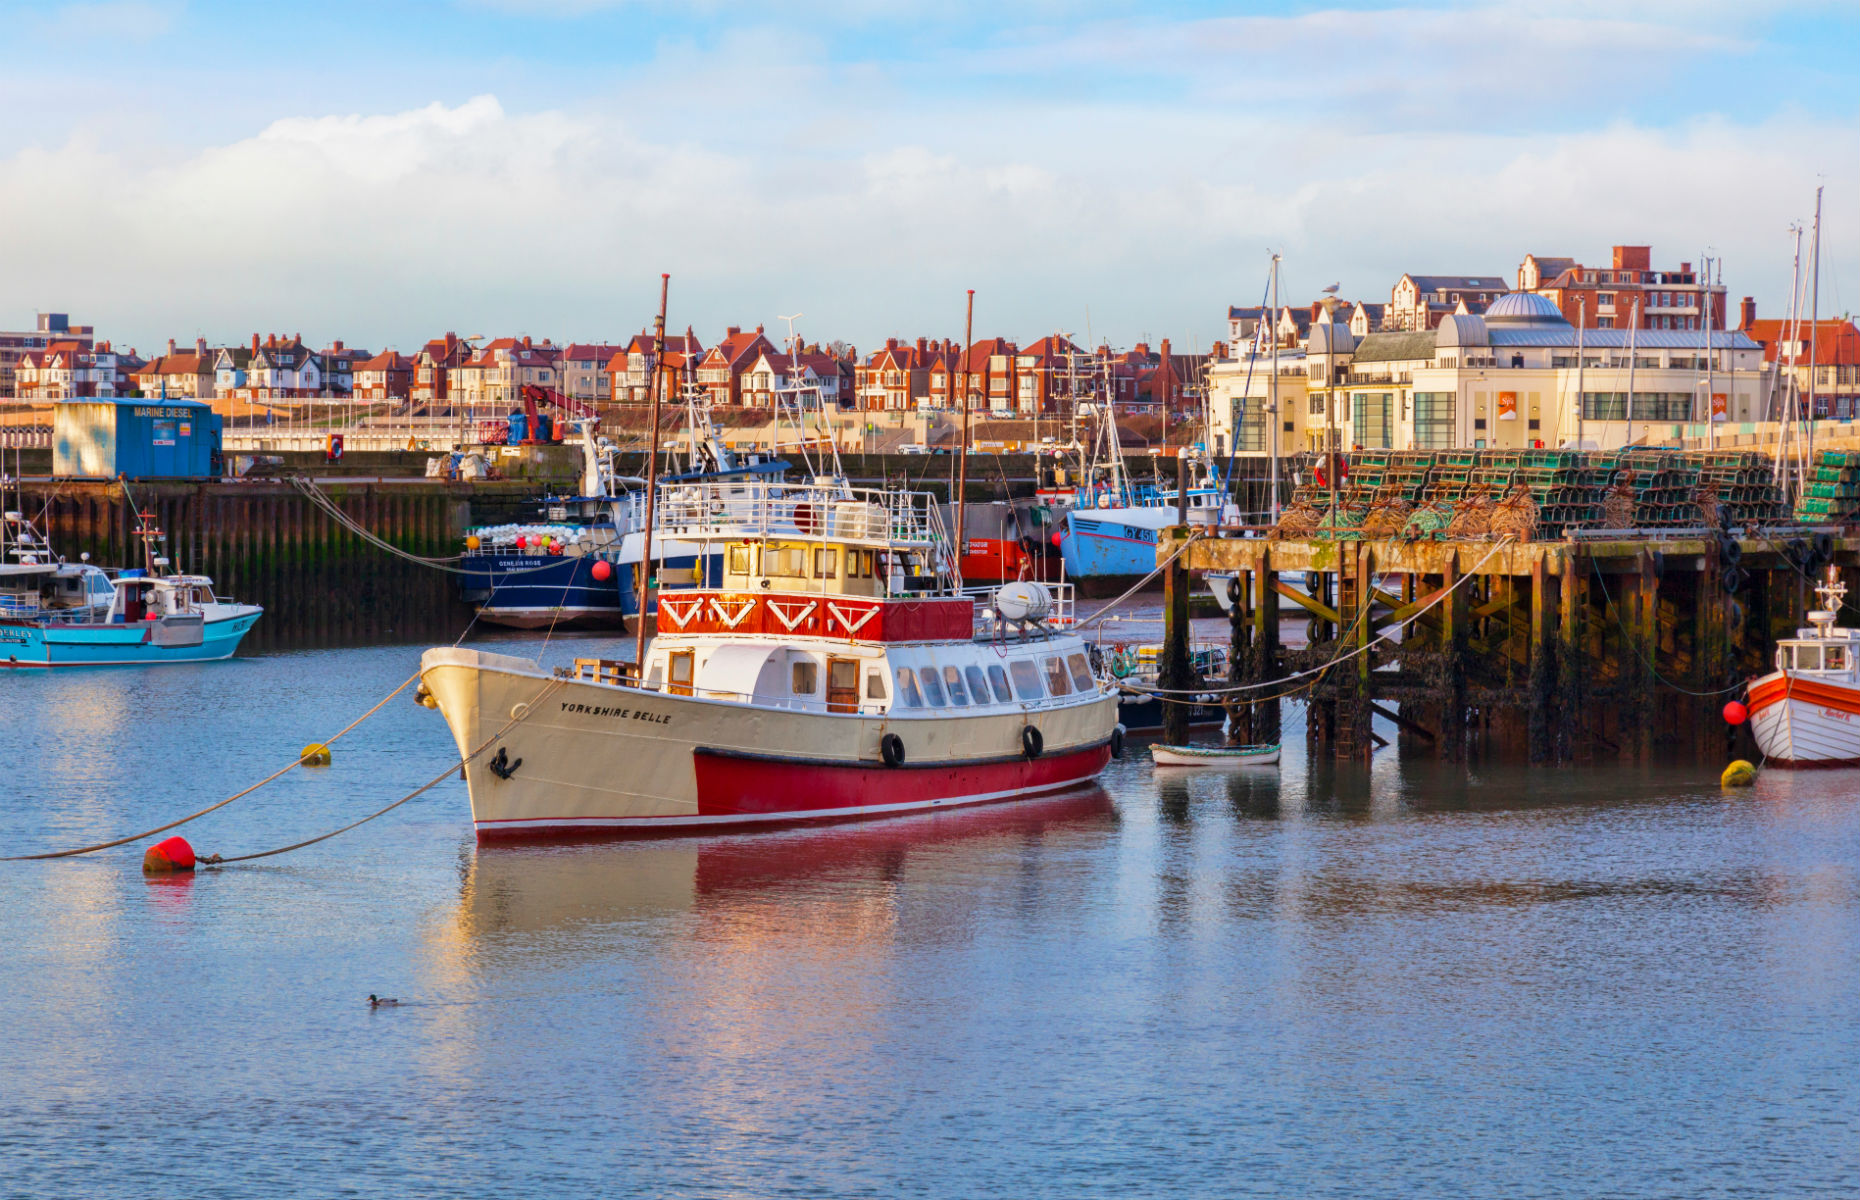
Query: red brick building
x,y
1609,297
1834,346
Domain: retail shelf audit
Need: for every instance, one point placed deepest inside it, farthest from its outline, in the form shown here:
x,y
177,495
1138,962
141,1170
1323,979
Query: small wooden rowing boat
x,y
1208,756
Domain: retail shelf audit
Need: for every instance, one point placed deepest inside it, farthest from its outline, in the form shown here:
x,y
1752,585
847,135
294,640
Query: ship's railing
x,y
828,511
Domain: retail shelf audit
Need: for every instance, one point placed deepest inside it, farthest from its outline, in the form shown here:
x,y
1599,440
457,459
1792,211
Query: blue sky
x,y
383,172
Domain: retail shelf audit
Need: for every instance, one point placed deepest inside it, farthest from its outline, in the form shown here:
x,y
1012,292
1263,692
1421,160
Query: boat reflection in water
x,y
846,873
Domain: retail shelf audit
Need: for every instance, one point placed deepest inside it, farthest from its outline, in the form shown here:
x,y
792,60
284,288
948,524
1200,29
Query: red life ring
x,y
1323,475
806,519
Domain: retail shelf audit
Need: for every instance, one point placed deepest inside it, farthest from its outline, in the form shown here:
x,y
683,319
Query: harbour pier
x,y
1554,637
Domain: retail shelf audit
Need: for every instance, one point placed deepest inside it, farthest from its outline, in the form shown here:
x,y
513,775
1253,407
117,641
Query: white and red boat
x,y
835,669
1806,713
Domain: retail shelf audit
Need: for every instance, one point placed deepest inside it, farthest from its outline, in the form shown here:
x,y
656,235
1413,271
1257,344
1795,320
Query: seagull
x,y
1332,289
375,1001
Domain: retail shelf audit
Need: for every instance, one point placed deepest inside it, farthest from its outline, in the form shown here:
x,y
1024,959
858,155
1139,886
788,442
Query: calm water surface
x,y
1401,981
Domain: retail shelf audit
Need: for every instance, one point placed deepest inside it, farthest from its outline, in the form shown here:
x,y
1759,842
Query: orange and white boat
x,y
834,668
1806,713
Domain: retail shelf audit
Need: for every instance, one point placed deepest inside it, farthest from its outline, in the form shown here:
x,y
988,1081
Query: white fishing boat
x,y
837,670
1806,713
1215,756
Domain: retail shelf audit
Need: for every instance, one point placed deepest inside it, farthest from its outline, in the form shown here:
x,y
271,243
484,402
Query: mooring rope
x,y
1138,585
216,860
318,497
293,765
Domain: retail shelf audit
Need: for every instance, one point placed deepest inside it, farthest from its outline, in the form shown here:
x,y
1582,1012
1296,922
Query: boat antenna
x,y
652,486
962,448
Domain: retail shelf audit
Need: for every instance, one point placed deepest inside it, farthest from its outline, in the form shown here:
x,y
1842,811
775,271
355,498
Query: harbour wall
x,y
266,543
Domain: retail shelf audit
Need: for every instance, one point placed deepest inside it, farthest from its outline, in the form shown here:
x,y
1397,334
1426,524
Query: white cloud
x,y
768,180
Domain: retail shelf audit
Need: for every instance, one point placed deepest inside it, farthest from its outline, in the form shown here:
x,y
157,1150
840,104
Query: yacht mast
x,y
1270,320
962,450
652,486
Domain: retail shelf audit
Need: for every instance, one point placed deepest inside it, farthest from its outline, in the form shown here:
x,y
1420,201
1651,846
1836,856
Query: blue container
x,y
135,439
519,428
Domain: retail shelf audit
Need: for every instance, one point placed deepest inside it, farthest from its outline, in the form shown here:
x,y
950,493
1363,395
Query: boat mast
x,y
1711,416
1582,318
1269,320
1814,317
962,449
1633,353
652,486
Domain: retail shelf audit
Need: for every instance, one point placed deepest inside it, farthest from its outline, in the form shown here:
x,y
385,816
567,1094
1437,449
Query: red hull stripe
x,y
1774,691
733,785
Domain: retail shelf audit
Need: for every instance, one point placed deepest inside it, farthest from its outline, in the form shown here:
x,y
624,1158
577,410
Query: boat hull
x,y
1215,756
35,644
1800,722
586,757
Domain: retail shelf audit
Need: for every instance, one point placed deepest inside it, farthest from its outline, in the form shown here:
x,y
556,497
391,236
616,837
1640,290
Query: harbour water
x,y
1410,979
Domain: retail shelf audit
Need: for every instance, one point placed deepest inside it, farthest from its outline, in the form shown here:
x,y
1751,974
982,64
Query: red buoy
x,y
602,571
522,541
1057,537
169,854
1736,713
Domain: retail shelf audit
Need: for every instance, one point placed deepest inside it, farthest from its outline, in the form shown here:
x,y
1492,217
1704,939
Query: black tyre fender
x,y
1730,551
1233,590
1117,740
1733,579
1797,551
1824,547
1031,743
891,749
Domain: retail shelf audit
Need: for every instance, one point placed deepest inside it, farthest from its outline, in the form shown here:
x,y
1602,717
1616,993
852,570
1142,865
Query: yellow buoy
x,y
316,754
1738,774
472,542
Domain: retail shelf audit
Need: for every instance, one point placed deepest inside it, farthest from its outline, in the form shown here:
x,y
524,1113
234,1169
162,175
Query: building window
x,y
1372,423
1433,420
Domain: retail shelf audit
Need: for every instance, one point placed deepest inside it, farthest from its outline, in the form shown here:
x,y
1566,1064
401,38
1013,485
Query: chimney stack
x,y
171,346
1747,312
732,331
200,346
1165,348
255,343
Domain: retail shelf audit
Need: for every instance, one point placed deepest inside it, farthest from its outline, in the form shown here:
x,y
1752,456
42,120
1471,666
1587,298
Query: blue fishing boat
x,y
59,614
580,564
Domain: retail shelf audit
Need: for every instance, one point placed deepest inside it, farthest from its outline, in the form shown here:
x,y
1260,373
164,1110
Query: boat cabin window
x,y
1834,658
998,678
1081,672
680,672
858,564
907,689
1056,681
1808,658
806,678
978,684
786,561
875,685
1026,679
952,683
826,562
933,687
739,560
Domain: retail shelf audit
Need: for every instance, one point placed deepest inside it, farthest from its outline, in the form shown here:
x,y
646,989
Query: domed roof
x,y
1524,308
1330,338
1461,330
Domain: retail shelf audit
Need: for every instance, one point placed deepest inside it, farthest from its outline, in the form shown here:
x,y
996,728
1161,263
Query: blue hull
x,y
58,645
533,591
1094,548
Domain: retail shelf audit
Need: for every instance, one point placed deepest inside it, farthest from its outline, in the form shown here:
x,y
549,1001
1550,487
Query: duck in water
x,y
375,1001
